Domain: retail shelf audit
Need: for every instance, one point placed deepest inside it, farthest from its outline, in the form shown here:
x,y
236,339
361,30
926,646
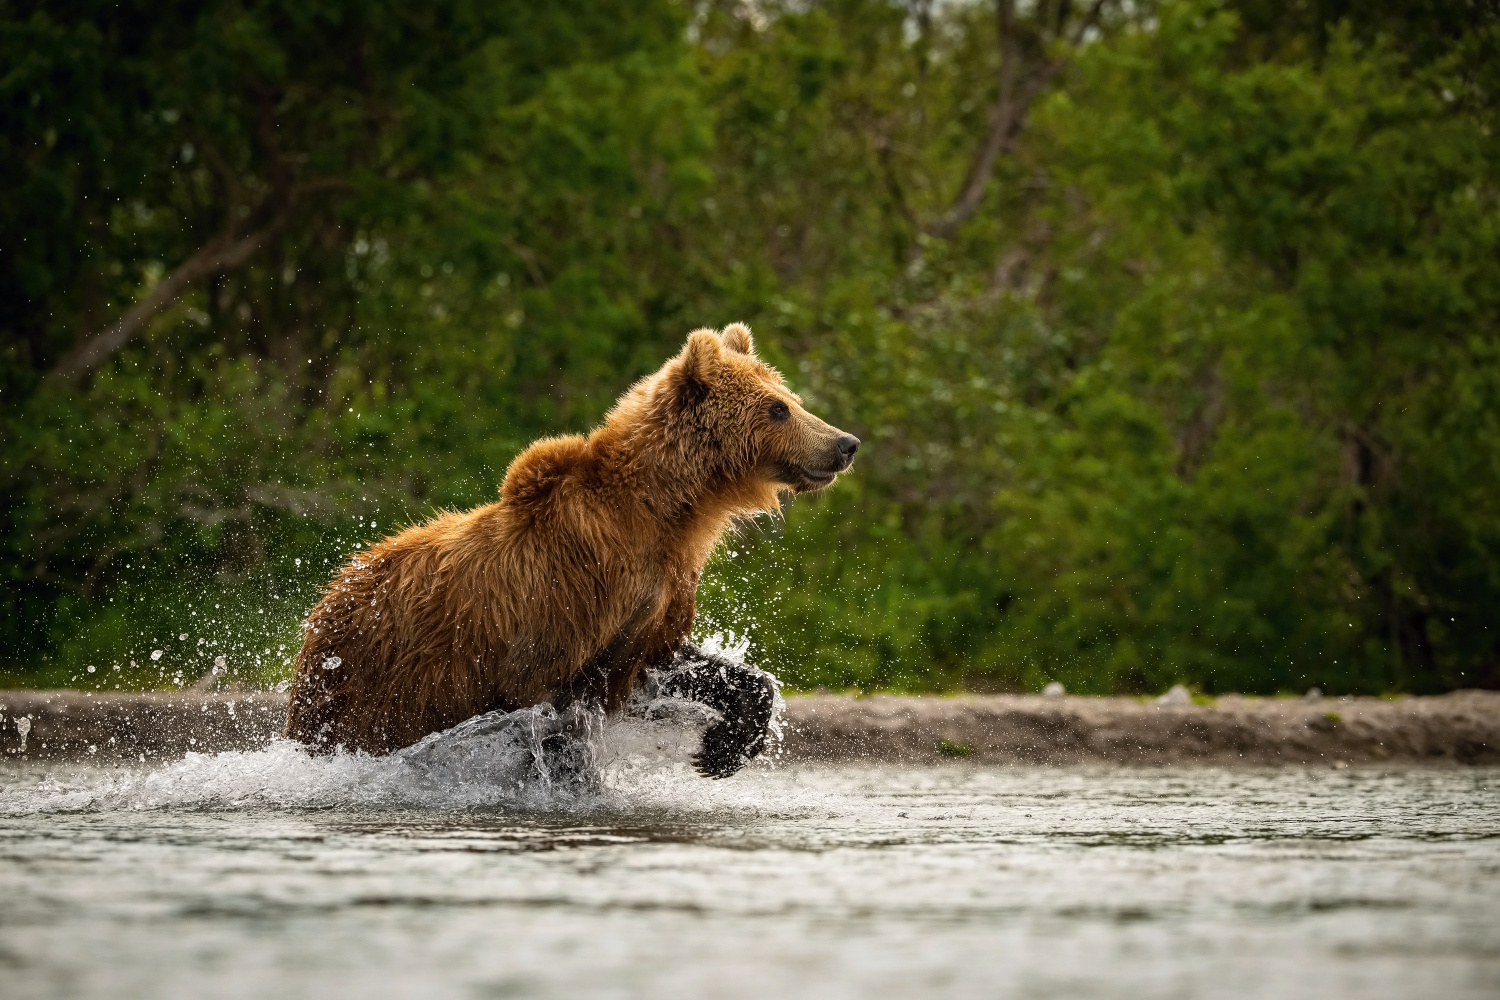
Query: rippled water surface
x,y
272,875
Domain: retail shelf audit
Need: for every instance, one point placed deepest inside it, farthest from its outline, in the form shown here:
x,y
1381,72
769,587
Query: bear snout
x,y
847,445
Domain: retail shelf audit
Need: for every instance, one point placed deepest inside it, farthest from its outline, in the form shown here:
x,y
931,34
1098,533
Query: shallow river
x,y
269,874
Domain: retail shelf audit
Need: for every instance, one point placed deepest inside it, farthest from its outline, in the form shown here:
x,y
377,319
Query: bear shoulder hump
x,y
540,469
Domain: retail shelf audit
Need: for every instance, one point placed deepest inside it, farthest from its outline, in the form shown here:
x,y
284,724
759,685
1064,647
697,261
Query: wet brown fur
x,y
583,573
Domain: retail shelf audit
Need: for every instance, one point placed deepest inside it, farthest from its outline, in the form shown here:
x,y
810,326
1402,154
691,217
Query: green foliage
x,y
949,748
1205,391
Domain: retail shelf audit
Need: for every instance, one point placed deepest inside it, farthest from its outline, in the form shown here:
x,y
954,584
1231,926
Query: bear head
x,y
731,425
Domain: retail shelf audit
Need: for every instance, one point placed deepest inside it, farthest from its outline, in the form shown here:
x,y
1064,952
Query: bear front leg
x,y
744,696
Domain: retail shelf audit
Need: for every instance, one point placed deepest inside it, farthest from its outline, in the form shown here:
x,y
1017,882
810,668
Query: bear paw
x,y
727,748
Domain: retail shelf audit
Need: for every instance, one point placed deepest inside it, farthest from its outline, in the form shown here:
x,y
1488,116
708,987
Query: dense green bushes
x,y
1205,389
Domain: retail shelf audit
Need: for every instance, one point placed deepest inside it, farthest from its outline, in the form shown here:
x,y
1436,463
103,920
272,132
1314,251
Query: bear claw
x,y
726,749
717,770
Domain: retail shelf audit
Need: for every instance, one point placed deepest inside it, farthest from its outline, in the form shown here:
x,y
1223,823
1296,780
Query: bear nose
x,y
847,444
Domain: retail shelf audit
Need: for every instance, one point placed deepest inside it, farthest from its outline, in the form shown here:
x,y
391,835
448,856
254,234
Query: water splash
x,y
533,759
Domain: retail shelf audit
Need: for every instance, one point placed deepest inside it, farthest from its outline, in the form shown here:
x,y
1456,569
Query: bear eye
x,y
779,411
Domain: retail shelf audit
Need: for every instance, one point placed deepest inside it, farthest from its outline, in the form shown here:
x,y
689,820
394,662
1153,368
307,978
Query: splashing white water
x,y
532,759
535,758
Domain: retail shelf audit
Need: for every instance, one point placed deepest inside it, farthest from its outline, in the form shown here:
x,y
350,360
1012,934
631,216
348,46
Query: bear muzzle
x,y
811,477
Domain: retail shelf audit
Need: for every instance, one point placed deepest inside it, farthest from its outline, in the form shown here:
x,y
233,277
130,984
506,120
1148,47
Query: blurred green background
x,y
1170,328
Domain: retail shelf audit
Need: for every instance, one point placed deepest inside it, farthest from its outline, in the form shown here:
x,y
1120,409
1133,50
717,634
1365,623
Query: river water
x,y
274,874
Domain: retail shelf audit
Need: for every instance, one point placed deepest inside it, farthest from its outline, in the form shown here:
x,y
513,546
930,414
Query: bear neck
x,y
686,502
651,468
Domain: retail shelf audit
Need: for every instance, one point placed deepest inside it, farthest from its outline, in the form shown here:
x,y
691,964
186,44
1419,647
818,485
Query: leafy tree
x,y
278,265
1139,420
1171,328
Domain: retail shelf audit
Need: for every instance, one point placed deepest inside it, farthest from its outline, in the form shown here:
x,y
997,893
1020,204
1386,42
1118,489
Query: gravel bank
x,y
1458,728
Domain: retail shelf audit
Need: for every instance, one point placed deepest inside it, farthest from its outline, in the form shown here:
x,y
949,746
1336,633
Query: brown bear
x,y
581,577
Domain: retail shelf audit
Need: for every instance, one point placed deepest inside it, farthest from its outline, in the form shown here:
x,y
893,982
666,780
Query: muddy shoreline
x,y
1462,728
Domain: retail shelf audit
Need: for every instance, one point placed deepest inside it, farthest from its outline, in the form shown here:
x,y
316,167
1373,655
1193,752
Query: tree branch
x,y
1002,122
528,258
225,252
1009,115
892,181
1089,20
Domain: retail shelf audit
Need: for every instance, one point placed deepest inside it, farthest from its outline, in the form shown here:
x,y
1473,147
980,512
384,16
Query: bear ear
x,y
699,360
736,337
